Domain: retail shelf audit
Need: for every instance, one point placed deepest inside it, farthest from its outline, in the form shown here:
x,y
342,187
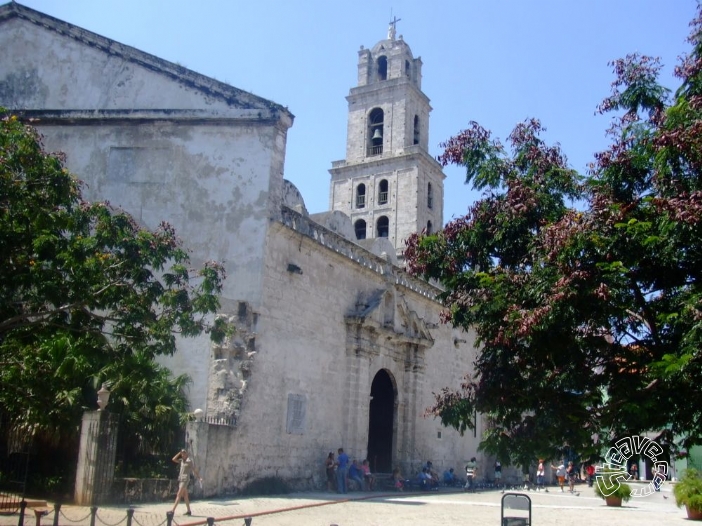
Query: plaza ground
x,y
445,507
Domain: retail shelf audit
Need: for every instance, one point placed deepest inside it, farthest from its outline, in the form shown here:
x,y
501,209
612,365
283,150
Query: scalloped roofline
x,y
231,95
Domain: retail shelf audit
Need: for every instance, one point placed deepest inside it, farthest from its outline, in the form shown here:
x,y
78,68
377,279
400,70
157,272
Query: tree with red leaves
x,y
588,317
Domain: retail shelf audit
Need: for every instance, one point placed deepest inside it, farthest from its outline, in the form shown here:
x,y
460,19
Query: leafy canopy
x,y
87,296
589,318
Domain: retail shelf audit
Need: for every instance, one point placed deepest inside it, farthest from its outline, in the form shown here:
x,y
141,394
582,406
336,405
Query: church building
x,y
335,344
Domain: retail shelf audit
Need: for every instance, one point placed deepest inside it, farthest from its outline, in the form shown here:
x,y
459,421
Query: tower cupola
x,y
388,184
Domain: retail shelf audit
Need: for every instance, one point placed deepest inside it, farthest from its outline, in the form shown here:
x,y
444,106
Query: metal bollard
x,y
130,514
23,506
169,518
57,509
210,521
247,521
93,512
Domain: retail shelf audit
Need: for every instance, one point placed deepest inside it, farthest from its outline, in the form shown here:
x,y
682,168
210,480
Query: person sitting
x,y
356,475
398,480
368,477
433,474
423,478
449,477
426,482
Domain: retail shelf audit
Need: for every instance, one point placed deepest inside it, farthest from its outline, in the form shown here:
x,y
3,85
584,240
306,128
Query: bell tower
x,y
388,184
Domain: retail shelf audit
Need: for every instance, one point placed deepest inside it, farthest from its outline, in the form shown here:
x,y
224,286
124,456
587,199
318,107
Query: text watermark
x,y
615,466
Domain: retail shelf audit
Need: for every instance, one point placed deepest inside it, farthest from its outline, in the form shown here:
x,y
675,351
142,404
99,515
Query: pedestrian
x,y
329,465
498,473
590,470
634,471
342,466
540,475
560,474
471,472
571,473
187,468
658,477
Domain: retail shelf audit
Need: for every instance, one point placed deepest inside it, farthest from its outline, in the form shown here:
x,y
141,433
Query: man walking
x,y
471,470
342,466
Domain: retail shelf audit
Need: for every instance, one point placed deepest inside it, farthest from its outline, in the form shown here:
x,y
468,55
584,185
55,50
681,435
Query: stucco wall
x,y
142,135
303,349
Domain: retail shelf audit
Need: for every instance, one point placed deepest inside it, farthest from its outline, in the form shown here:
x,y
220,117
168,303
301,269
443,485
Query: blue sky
x,y
497,62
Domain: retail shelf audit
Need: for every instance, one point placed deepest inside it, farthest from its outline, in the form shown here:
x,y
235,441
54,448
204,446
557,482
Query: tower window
x,y
360,228
361,196
382,68
430,196
408,73
383,226
383,192
429,227
375,131
416,129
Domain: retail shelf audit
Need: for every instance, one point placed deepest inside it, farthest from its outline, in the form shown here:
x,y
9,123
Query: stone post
x,y
96,458
196,437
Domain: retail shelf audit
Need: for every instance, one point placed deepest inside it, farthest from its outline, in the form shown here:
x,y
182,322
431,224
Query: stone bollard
x,y
38,514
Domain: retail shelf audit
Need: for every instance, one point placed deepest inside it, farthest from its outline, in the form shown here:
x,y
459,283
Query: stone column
x,y
96,458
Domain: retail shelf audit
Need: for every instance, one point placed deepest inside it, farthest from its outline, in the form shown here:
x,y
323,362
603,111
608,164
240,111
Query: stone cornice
x,y
141,116
234,97
356,254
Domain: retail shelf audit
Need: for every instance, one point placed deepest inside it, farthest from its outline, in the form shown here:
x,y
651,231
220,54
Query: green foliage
x,y
588,317
688,490
609,477
87,296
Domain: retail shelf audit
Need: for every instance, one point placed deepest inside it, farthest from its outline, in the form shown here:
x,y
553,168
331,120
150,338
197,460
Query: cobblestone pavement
x,y
364,509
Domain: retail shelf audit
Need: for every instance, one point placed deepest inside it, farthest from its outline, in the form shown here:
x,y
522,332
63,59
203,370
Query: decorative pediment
x,y
387,317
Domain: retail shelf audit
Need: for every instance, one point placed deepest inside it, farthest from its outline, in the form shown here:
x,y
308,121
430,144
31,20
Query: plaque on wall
x,y
297,411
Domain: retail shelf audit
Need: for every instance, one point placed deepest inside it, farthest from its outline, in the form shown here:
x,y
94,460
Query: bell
x,y
377,134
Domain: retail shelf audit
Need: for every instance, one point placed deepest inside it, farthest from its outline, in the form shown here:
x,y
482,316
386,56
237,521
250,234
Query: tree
x,y
588,317
88,296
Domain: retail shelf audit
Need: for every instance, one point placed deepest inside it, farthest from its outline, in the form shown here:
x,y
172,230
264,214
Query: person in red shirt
x,y
590,470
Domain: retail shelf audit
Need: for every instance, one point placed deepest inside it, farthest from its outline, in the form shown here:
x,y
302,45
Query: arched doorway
x,y
381,422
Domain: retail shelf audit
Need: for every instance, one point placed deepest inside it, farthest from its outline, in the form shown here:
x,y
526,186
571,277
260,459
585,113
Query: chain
x,y
110,523
134,519
71,520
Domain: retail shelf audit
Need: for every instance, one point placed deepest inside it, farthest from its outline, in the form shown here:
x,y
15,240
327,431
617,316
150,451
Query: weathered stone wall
x,y
306,353
133,490
406,208
162,142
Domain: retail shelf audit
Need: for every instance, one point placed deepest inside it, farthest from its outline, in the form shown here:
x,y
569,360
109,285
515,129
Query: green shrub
x,y
623,491
688,490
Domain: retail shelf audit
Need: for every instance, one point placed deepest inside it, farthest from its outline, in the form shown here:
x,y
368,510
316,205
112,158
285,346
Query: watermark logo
x,y
613,473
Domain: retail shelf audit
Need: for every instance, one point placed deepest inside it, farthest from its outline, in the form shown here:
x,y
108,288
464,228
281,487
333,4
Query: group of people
x,y
342,470
564,472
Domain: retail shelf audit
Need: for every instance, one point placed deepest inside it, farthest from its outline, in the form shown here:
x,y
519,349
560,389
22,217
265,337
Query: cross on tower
x,y
392,27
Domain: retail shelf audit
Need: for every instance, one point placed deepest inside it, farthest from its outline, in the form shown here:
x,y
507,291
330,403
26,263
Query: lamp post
x,y
103,397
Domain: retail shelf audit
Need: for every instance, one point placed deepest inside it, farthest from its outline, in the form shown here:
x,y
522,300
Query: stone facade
x,y
388,184
335,345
